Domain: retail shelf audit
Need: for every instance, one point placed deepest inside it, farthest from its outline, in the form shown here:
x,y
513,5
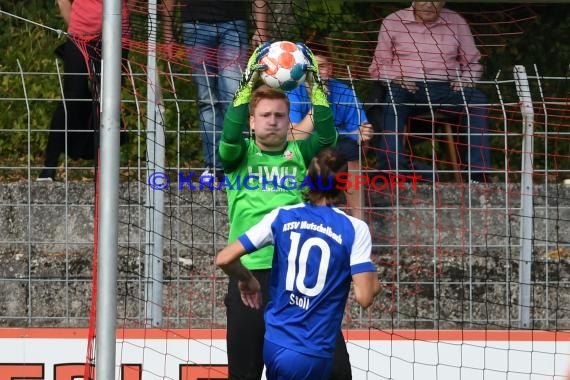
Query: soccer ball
x,y
286,66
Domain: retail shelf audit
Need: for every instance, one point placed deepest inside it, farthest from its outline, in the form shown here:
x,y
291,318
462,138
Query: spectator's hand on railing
x,y
366,132
457,85
407,83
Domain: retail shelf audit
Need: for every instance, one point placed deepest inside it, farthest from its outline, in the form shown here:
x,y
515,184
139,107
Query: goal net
x,y
474,275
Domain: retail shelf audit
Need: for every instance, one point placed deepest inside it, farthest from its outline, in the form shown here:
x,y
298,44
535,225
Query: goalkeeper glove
x,y
318,94
245,88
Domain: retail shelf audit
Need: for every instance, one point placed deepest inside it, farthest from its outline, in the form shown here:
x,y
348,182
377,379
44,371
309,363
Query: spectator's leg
x,y
87,143
373,110
232,56
478,156
201,42
72,115
55,144
391,153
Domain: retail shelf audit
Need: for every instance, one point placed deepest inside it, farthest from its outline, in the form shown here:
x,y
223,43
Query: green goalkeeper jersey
x,y
261,181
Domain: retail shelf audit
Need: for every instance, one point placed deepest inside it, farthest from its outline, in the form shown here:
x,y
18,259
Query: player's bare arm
x,y
366,287
228,259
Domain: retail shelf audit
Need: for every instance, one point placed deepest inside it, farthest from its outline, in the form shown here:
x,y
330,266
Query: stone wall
x,y
448,256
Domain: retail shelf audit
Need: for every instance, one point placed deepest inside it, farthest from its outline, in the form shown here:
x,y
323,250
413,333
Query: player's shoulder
x,y
251,149
287,209
358,224
282,213
350,218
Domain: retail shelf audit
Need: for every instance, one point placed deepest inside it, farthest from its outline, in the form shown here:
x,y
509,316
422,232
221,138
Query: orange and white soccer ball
x,y
286,66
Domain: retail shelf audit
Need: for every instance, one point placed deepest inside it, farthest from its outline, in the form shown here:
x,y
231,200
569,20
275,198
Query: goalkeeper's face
x,y
270,122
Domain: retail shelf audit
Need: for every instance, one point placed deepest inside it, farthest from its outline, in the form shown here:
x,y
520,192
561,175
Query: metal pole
x,y
525,259
155,144
109,194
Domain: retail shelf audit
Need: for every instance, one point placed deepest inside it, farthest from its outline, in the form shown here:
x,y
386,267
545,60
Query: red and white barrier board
x,y
60,354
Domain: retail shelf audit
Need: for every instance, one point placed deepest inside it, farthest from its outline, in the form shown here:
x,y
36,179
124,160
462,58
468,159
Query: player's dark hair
x,y
322,174
266,92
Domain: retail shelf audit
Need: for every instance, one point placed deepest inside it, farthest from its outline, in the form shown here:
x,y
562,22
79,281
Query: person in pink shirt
x,y
427,54
78,115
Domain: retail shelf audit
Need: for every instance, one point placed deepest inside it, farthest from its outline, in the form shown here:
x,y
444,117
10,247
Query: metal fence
x,y
450,254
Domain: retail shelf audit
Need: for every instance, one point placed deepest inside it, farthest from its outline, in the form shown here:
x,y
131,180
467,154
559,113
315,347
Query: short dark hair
x,y
322,174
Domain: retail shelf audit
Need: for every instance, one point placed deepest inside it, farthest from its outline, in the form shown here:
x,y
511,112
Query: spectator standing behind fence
x,y
429,42
311,274
79,111
216,41
349,119
267,160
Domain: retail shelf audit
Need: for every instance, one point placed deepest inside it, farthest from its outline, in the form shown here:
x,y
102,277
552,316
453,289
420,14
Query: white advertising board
x,y
60,354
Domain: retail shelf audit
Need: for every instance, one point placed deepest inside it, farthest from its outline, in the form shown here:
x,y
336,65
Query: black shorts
x,y
348,147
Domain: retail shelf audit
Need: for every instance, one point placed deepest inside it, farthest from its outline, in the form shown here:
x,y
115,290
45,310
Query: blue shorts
x,y
284,364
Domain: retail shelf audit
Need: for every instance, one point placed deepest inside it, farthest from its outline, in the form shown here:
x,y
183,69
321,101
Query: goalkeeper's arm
x,y
325,133
232,145
323,136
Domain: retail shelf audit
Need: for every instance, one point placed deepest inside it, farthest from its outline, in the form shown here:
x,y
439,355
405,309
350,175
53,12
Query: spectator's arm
x,y
382,62
354,118
359,125
260,10
167,29
469,55
303,129
232,145
323,136
301,113
64,9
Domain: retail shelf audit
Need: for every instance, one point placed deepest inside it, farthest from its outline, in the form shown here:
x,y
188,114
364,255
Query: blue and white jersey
x,y
317,250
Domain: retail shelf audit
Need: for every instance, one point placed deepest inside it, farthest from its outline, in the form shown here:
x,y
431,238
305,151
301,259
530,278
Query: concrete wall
x,y
448,255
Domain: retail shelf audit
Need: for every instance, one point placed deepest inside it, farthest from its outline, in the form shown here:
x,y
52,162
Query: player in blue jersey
x,y
319,250
349,119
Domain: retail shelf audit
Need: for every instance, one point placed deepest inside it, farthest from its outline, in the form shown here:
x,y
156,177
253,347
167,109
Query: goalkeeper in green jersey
x,y
258,170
